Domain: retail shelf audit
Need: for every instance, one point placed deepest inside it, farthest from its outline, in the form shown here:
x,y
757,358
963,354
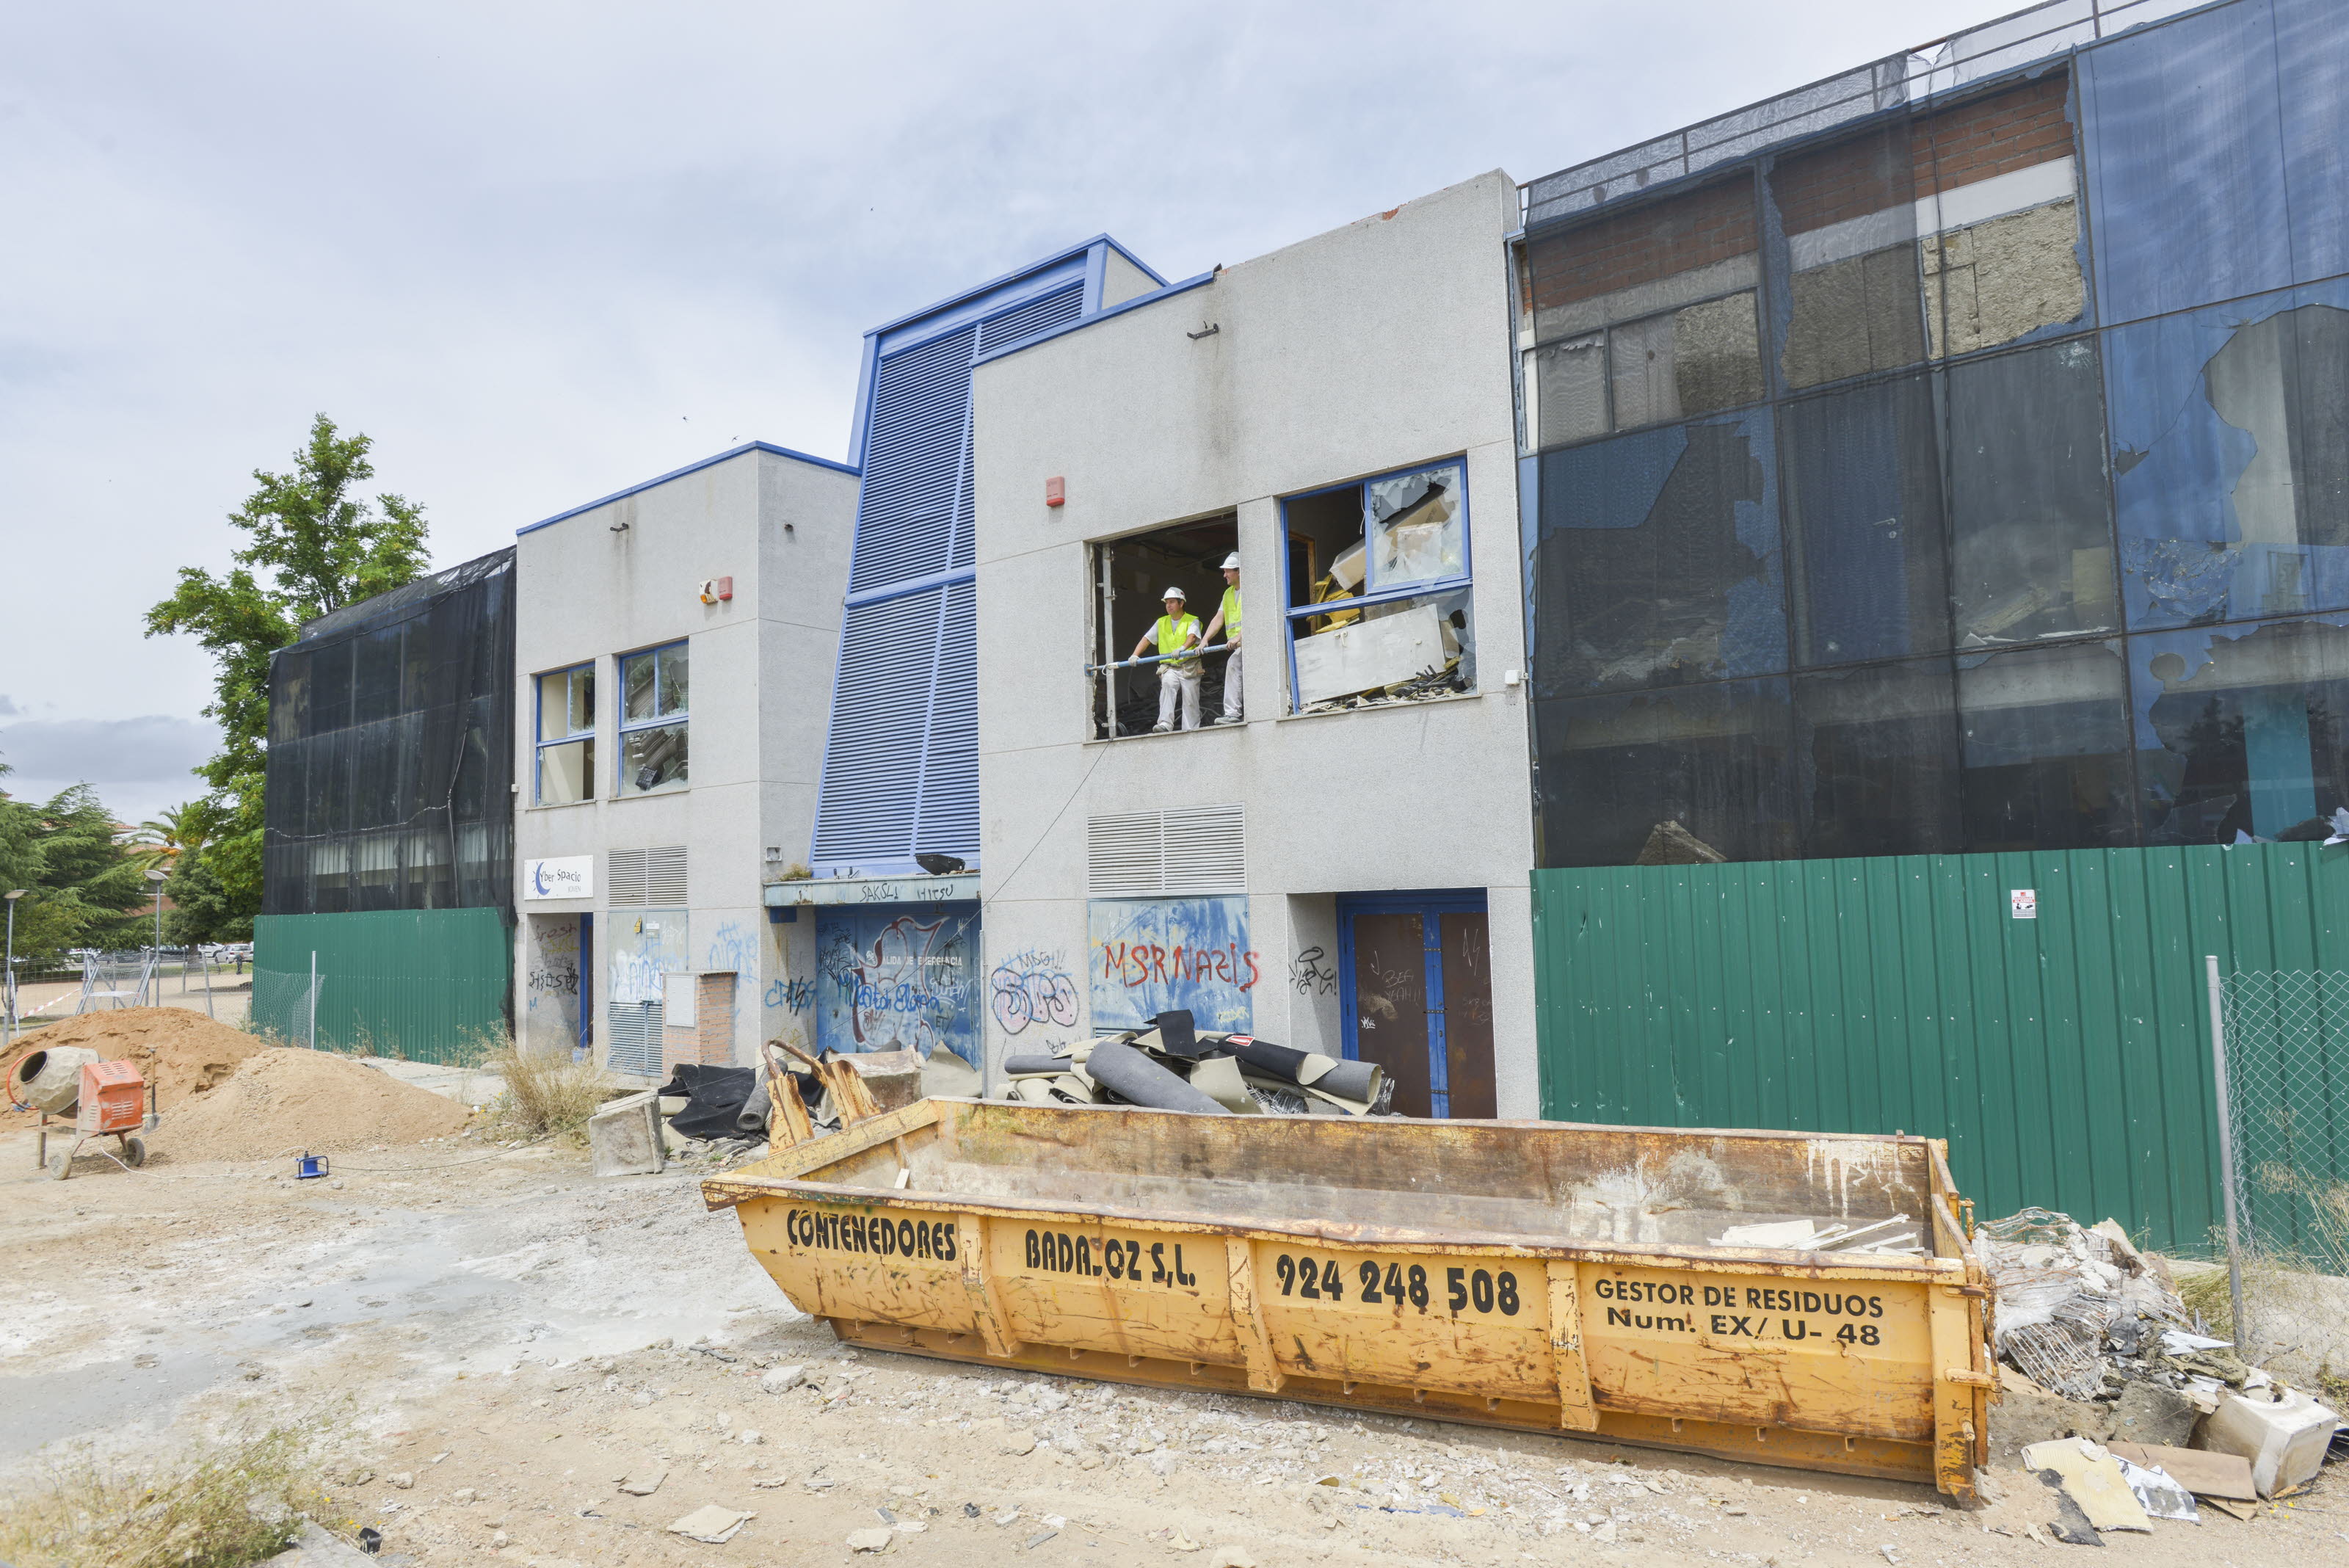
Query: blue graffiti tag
x,y
798,996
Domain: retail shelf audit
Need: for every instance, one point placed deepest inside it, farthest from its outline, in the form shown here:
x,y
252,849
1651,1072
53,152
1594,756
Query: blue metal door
x,y
1414,995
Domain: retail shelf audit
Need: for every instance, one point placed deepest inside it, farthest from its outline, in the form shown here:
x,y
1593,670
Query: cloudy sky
x,y
542,252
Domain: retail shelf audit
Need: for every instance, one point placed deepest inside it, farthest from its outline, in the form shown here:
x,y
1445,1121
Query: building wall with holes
x,y
623,575
1378,345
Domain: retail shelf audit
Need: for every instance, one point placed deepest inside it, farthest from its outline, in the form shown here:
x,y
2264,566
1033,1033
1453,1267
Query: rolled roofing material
x,y
1356,1081
1019,1066
1134,1077
1218,1077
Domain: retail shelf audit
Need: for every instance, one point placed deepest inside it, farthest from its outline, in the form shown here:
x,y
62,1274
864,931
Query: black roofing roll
x,y
1131,1075
1346,1080
1018,1065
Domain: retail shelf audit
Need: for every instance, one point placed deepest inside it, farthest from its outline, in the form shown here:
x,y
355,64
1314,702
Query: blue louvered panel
x,y
1057,308
913,461
872,757
948,824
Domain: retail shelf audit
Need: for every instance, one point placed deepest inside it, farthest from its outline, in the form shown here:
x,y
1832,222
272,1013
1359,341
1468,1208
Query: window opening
x,y
567,736
1388,617
654,693
1139,688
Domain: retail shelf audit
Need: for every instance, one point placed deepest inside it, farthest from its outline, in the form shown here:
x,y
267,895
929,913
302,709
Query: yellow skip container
x,y
1538,1275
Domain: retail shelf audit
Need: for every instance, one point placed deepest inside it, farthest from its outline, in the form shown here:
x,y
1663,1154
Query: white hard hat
x,y
1175,594
1232,562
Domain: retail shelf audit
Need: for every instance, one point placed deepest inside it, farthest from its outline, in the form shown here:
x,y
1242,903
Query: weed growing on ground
x,y
545,1093
233,1506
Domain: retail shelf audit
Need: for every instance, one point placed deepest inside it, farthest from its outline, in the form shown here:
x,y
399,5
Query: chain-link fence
x,y
2281,1039
284,1006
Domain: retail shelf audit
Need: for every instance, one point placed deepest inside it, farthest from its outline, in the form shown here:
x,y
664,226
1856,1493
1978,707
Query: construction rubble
x,y
2152,1414
1173,1066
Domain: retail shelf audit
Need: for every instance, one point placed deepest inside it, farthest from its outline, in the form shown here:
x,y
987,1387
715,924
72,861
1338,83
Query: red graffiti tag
x,y
1136,964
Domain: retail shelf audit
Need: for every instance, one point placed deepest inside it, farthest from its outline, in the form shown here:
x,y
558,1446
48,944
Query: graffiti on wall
x,y
901,982
798,993
1032,987
1310,972
1154,955
730,948
645,945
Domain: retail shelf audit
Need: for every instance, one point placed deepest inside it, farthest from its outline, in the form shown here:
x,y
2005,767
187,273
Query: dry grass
x,y
547,1093
233,1505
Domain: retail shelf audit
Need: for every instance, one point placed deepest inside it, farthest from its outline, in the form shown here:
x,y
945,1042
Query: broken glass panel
x,y
1880,747
2030,530
2045,740
1713,761
652,759
1849,214
2231,459
2241,730
1863,480
1418,526
1570,389
1658,561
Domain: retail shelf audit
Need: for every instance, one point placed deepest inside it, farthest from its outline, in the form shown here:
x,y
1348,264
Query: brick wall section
x,y
1992,135
1895,164
714,1021
1643,245
1849,179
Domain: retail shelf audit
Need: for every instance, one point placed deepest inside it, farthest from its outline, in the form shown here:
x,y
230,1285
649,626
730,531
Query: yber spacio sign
x,y
567,876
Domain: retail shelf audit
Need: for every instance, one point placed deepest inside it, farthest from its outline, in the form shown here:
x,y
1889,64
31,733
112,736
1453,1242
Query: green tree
x,y
178,834
313,543
201,911
85,889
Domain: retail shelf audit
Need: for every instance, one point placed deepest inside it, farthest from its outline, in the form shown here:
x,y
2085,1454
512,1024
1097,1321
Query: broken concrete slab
x,y
643,1485
623,1138
2091,1478
711,1524
2148,1413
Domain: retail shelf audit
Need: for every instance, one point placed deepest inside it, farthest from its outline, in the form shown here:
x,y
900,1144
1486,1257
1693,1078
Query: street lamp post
x,y
156,968
8,1031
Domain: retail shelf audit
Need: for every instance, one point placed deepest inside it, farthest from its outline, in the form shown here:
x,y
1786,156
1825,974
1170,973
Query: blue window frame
x,y
564,729
655,719
1396,544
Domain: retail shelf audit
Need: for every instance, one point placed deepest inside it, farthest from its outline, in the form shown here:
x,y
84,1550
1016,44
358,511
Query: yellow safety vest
x,y
1231,613
1173,633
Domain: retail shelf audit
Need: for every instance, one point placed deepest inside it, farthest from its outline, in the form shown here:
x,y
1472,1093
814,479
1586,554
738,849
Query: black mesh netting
x,y
390,751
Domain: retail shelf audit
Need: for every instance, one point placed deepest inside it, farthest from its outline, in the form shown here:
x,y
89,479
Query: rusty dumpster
x,y
1536,1275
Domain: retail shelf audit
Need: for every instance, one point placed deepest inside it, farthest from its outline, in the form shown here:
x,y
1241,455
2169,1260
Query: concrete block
x,y
623,1138
2284,1439
895,1077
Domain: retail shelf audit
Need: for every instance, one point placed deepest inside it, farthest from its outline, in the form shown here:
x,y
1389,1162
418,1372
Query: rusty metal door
x,y
1415,996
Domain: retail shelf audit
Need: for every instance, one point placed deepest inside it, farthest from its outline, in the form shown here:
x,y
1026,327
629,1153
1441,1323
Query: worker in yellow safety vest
x,y
1179,679
1228,621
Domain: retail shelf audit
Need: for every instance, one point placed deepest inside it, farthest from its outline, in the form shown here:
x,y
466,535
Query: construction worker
x,y
1227,621
1179,679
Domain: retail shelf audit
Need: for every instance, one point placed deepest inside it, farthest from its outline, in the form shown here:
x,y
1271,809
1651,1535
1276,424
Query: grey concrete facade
x,y
627,574
1374,347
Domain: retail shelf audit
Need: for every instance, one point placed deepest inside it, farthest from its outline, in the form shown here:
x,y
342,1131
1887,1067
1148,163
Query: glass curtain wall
x,y
1870,517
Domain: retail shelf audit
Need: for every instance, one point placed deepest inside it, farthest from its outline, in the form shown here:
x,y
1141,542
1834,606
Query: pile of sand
x,y
287,1099
182,1053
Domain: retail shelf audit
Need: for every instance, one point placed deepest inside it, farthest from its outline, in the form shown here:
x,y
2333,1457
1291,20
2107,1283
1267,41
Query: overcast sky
x,y
540,253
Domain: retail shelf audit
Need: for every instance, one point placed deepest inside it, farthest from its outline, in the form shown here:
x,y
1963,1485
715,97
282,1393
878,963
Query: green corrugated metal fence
x,y
430,985
2066,1058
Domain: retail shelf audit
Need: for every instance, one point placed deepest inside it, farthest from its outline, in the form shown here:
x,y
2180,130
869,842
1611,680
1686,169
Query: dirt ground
x,y
500,1342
